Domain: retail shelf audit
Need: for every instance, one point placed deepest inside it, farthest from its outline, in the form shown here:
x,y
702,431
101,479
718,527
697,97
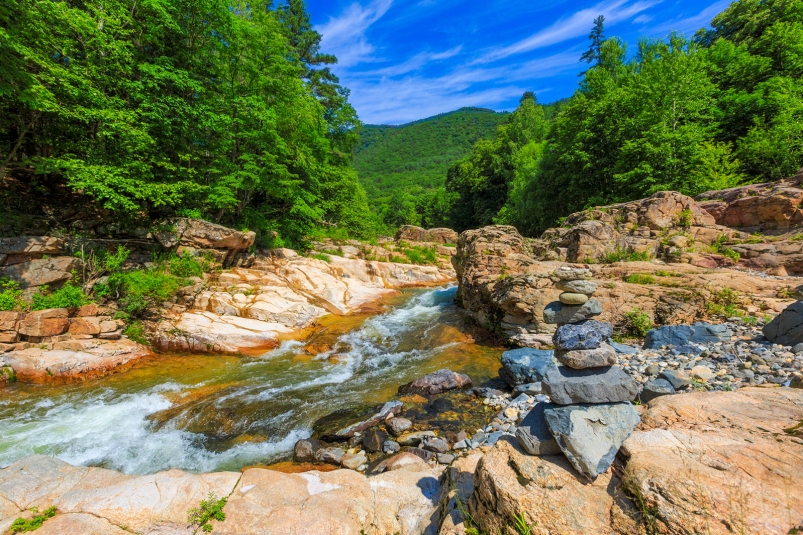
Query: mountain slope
x,y
414,157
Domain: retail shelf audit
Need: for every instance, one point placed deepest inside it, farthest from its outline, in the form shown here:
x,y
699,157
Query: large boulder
x,y
437,235
437,382
567,386
42,271
526,365
23,248
202,234
681,335
787,327
558,313
591,435
45,323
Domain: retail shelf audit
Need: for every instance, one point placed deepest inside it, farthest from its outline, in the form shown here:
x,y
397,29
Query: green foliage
x,y
521,525
144,288
186,266
684,218
209,509
620,255
136,332
421,255
68,296
22,525
724,302
637,323
321,256
639,278
11,295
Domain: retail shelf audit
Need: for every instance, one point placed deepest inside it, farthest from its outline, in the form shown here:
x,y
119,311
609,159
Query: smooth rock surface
x,y
566,386
591,435
579,359
559,313
570,298
526,365
534,435
586,287
437,382
570,273
787,327
655,388
587,334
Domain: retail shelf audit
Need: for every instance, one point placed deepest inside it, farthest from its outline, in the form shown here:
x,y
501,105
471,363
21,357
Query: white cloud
x,y
579,23
413,64
694,23
344,36
642,19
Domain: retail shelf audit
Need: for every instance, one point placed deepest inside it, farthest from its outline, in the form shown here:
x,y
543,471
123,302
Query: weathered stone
x,y
9,320
571,273
397,425
796,382
622,349
677,378
33,245
437,382
525,365
437,235
586,287
588,334
43,271
566,386
591,435
787,327
353,461
329,455
304,450
43,323
436,444
533,433
404,461
703,373
676,335
708,333
390,446
388,408
203,235
414,438
88,310
373,439
568,298
655,388
579,359
88,325
420,452
559,313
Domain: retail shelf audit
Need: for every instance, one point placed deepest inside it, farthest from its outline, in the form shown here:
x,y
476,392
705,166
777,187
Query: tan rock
x,y
461,476
8,320
87,310
8,337
85,325
79,524
568,298
45,322
108,326
42,271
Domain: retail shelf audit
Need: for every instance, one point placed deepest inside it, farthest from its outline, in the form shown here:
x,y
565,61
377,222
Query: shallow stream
x,y
222,412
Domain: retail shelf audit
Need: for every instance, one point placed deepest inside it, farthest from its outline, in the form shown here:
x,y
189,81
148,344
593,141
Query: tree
x,y
597,37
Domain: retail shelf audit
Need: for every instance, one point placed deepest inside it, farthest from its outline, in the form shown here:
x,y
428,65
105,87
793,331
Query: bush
x,y
639,278
143,288
22,525
68,296
11,296
685,218
621,255
186,266
637,323
134,331
421,255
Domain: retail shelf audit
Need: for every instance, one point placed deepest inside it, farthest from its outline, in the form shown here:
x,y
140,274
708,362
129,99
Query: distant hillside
x,y
415,156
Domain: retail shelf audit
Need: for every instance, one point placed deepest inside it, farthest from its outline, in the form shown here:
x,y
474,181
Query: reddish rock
x,y
437,235
8,320
108,326
203,235
87,310
437,382
45,323
86,325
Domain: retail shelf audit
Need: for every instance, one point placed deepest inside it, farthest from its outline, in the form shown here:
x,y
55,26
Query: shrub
x,y
11,295
210,508
684,218
186,266
68,296
321,256
22,525
134,331
637,323
724,302
420,255
144,288
621,255
639,278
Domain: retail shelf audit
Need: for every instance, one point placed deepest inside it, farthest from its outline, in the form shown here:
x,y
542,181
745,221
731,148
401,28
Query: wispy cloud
x,y
570,27
691,24
643,19
344,35
414,63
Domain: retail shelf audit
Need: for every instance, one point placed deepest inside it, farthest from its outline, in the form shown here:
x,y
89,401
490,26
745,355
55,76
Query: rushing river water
x,y
221,412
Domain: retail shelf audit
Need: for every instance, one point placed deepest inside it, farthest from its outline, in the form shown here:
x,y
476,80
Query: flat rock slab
x,y
437,382
591,435
580,359
558,313
534,435
566,386
589,334
526,365
681,335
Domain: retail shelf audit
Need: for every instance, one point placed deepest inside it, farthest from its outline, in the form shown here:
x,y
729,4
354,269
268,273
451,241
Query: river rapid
x,y
206,413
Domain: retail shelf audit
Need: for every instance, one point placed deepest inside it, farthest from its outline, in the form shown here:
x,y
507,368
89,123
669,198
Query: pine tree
x,y
597,37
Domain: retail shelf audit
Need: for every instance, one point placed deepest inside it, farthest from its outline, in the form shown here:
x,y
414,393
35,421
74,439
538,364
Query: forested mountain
x,y
219,109
405,166
717,110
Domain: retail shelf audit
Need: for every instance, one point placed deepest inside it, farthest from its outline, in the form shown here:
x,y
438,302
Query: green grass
x,y
321,256
725,302
421,255
684,218
22,525
68,296
135,332
637,323
209,509
640,278
621,255
11,296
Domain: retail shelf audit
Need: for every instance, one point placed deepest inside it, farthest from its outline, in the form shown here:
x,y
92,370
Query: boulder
x,y
579,359
44,271
557,312
677,378
437,382
202,235
655,388
534,435
708,333
304,450
9,320
33,245
437,235
566,386
41,323
622,349
373,439
676,335
404,461
589,334
787,327
591,435
525,365
88,325
397,426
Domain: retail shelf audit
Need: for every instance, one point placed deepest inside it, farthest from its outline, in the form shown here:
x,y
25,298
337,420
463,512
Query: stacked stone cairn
x,y
590,413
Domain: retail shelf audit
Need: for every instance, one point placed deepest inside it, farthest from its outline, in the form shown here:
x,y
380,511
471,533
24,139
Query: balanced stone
x,y
577,286
580,359
655,388
590,435
587,334
565,385
556,312
526,365
533,433
570,273
569,298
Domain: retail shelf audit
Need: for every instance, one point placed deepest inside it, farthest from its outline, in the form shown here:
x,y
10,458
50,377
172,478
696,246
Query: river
x,y
205,413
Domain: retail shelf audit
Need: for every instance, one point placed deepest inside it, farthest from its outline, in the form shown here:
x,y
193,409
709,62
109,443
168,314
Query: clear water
x,y
222,412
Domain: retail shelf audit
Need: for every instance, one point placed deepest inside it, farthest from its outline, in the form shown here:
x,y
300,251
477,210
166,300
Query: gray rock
x,y
653,369
493,438
687,349
676,335
678,379
570,273
436,382
655,388
329,455
397,426
708,333
566,386
579,359
787,327
533,433
415,438
622,349
436,444
461,444
529,388
590,435
585,287
304,450
390,446
587,334
796,382
556,312
526,365
798,348
444,458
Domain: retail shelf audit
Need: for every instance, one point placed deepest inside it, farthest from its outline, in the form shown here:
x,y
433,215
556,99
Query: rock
x,y
414,438
677,378
42,323
397,425
304,450
572,273
420,452
787,327
373,439
586,287
534,435
493,438
719,462
353,461
390,446
655,388
329,455
559,313
444,458
9,320
707,333
436,444
703,373
403,461
203,235
33,245
87,325
388,408
579,359
54,270
437,235
588,334
529,388
525,365
88,310
436,382
687,349
568,298
566,386
653,369
591,435
676,335
622,349
798,348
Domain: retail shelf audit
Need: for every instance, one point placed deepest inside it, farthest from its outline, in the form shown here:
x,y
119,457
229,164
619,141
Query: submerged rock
x,y
436,382
566,386
590,435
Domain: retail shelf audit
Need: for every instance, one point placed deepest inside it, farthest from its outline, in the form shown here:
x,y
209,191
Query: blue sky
x,y
405,60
